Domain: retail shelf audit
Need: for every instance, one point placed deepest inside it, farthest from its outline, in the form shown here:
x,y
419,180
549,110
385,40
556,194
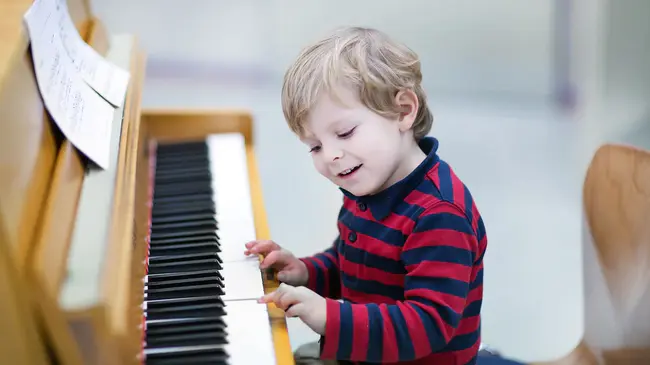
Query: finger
x,y
285,275
263,247
268,298
283,297
275,258
287,299
274,295
248,246
254,247
289,275
295,310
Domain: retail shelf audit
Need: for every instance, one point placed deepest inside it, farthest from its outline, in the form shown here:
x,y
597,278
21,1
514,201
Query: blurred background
x,y
523,92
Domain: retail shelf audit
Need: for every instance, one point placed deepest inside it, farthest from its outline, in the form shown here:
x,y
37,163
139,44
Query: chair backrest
x,y
616,246
616,260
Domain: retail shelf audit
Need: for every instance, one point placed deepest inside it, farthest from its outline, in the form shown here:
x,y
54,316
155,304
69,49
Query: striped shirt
x,y
408,266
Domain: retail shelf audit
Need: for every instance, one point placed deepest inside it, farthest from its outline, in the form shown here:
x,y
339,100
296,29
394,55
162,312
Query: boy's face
x,y
355,148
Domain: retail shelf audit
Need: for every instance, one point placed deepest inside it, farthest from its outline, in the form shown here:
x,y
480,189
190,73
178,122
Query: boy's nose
x,y
333,153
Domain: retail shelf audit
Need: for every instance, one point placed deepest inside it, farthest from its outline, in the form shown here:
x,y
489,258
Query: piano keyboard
x,y
200,300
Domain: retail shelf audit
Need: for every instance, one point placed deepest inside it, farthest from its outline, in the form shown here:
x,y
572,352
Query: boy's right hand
x,y
291,270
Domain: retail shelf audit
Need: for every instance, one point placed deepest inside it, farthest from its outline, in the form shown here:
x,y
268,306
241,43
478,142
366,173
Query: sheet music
x,y
83,116
109,80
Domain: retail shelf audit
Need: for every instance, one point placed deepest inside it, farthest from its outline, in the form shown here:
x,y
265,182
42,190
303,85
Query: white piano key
x,y
231,195
250,340
243,280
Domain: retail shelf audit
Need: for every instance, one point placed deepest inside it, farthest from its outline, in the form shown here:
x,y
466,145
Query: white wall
x,y
466,46
627,58
611,58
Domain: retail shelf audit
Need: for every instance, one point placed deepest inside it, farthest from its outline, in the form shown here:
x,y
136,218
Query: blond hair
x,y
367,59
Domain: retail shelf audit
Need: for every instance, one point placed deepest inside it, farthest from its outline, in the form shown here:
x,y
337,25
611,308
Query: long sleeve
x,y
439,256
323,269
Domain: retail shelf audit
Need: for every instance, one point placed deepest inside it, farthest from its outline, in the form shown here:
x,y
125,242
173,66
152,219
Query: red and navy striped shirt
x,y
408,266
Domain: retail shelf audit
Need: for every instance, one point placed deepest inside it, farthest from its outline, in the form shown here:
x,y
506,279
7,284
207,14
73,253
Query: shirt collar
x,y
382,203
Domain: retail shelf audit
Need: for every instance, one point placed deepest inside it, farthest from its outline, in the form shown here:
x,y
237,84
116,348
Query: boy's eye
x,y
314,149
347,134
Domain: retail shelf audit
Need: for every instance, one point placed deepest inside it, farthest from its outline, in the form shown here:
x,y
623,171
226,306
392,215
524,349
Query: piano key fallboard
x,y
200,294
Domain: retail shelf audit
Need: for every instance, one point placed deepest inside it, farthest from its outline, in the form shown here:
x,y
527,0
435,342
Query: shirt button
x,y
352,236
363,207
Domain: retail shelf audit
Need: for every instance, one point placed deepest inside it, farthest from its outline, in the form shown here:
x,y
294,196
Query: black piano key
x,y
181,234
180,159
184,248
211,237
173,282
170,172
182,199
209,261
195,307
213,337
168,151
213,355
189,217
168,155
184,284
172,326
152,278
184,291
187,265
182,209
155,260
185,325
172,163
207,222
164,281
183,180
182,174
189,189
213,329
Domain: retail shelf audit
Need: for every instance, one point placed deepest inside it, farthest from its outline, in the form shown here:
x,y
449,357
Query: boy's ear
x,y
409,105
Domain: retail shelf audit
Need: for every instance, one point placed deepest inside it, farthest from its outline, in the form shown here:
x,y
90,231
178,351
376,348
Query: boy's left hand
x,y
300,302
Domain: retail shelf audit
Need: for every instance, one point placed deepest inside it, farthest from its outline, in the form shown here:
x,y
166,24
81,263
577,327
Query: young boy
x,y
402,282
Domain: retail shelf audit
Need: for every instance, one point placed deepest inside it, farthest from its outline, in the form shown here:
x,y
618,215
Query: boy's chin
x,y
358,190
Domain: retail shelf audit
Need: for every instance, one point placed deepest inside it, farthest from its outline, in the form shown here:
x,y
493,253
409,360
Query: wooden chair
x,y
616,248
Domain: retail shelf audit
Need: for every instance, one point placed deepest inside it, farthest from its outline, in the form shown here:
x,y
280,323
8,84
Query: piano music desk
x,y
39,173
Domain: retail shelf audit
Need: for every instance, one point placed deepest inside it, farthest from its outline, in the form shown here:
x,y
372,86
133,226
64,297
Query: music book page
x,y
81,114
109,80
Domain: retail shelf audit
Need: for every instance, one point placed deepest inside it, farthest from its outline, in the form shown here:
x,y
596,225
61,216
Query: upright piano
x,y
139,263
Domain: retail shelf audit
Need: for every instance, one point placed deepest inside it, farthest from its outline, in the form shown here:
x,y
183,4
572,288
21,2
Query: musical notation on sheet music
x,y
81,114
107,79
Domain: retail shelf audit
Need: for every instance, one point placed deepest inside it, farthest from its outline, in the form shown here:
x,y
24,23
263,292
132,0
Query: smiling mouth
x,y
349,171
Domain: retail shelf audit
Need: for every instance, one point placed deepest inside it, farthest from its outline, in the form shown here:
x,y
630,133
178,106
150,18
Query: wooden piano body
x,y
50,308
